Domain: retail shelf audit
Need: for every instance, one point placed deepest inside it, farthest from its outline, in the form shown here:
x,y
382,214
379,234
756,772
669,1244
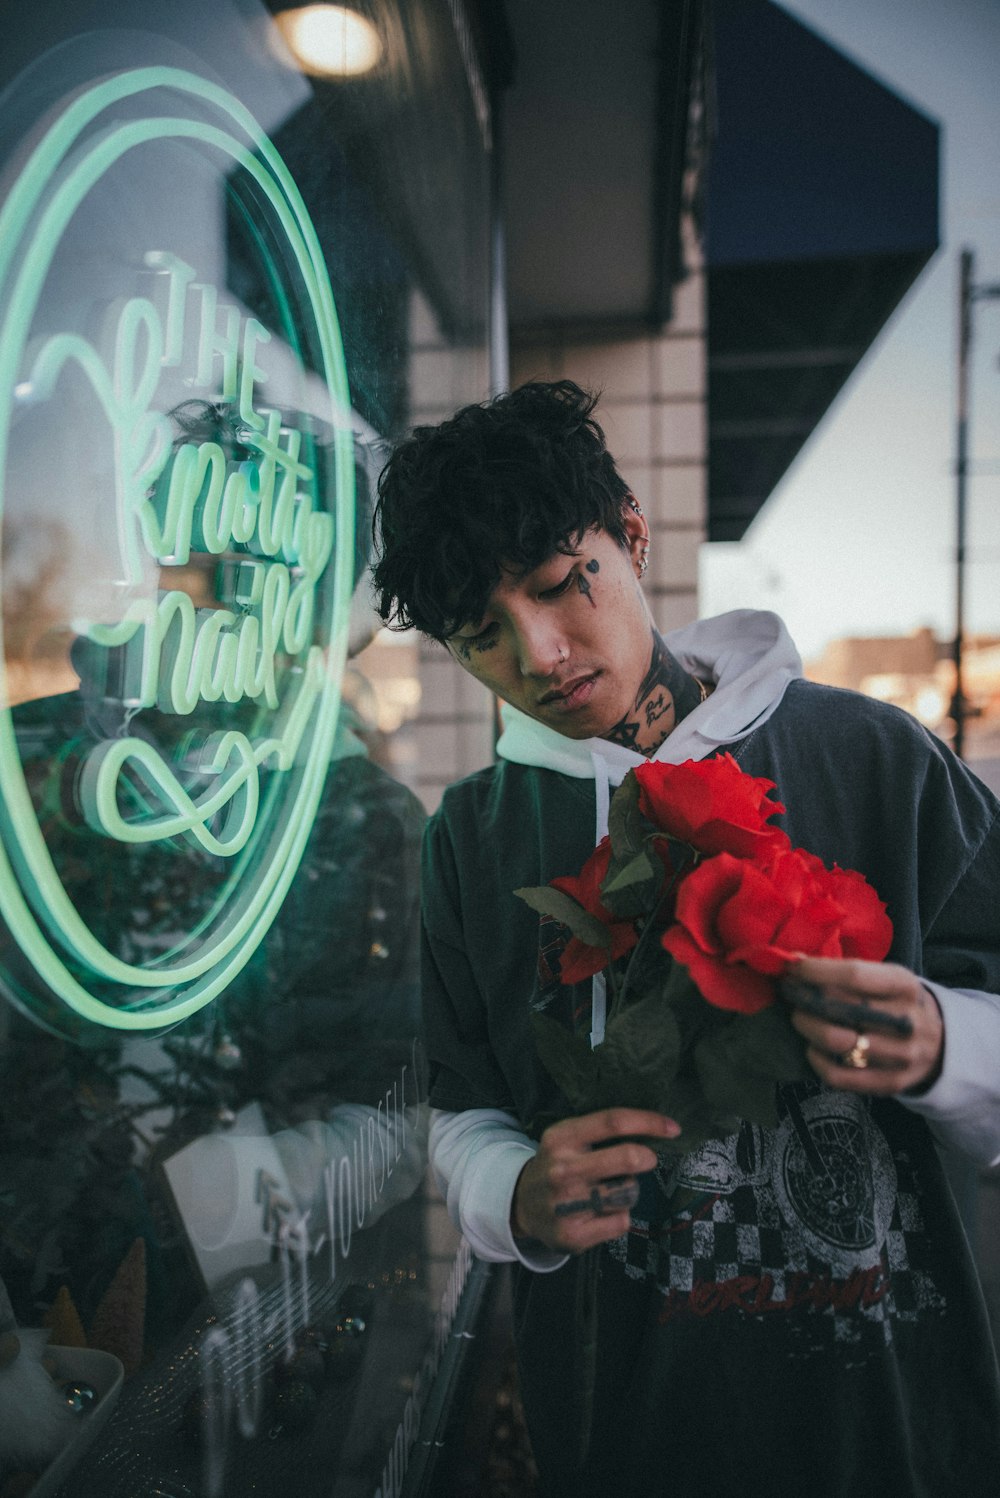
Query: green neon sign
x,y
278,643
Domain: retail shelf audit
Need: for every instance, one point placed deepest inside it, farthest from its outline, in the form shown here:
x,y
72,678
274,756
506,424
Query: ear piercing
x,y
634,505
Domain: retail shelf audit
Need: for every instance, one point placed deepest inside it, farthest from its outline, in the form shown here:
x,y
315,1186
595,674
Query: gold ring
x,y
857,1056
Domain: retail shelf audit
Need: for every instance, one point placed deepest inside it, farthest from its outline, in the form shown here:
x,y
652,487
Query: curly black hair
x,y
500,486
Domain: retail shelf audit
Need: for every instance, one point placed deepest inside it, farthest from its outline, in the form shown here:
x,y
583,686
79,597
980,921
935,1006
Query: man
x,y
775,1314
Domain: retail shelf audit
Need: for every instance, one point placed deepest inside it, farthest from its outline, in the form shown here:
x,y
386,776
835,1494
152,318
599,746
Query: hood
x,y
749,657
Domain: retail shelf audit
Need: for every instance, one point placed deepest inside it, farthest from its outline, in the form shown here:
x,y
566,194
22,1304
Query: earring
x,y
643,560
635,505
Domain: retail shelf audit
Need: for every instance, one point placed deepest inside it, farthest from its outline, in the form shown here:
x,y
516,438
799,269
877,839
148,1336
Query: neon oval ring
x,y
250,915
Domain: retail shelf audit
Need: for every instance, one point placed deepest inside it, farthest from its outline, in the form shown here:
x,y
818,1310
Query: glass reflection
x,y
224,1229
250,1156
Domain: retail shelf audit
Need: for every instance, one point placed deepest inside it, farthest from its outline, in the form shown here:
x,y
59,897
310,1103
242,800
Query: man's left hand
x,y
868,1057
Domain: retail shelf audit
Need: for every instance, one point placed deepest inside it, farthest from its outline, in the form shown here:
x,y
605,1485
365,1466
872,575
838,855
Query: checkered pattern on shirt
x,y
742,1235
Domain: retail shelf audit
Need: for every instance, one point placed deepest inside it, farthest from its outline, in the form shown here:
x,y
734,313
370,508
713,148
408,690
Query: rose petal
x,y
770,960
728,986
585,887
755,912
739,923
702,892
579,960
809,928
866,930
710,804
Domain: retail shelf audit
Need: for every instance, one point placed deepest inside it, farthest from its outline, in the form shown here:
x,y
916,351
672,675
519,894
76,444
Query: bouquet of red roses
x,y
695,906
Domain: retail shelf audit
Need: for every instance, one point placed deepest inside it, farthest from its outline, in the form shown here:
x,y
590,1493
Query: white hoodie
x,y
749,657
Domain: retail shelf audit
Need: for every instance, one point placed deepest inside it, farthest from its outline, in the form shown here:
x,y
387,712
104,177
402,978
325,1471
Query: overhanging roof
x,y
822,209
594,132
822,206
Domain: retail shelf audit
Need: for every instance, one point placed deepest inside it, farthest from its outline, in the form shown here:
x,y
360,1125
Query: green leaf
x,y
670,1051
569,1061
631,889
626,827
747,1094
638,870
741,1063
770,1042
678,987
641,1053
562,907
699,1118
655,975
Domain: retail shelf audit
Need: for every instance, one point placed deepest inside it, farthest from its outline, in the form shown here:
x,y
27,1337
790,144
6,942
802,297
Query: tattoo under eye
x,y
593,565
478,643
583,584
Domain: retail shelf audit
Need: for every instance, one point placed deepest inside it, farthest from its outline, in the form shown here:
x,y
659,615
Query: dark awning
x,y
822,206
595,134
822,209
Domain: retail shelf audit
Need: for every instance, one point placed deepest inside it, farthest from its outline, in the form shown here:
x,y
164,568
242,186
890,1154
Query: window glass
x,y
222,1266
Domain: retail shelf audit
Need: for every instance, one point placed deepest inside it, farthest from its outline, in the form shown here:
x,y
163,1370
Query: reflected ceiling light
x,y
330,41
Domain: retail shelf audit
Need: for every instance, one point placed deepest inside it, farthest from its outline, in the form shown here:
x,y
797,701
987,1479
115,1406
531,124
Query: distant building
x,y
914,671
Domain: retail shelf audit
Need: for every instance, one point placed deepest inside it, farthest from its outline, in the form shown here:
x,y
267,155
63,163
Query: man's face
x,y
570,643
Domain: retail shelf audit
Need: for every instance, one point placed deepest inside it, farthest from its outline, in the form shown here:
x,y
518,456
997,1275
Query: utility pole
x,y
968,294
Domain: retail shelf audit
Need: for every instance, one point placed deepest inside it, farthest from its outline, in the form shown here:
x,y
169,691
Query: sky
x,y
859,536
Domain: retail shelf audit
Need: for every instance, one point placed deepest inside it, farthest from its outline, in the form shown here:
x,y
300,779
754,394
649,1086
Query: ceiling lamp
x,y
330,41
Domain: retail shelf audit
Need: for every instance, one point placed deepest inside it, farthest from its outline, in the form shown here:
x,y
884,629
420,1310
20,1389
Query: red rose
x,y
712,805
580,960
739,924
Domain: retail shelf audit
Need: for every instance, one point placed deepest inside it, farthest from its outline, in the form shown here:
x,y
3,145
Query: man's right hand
x,y
578,1188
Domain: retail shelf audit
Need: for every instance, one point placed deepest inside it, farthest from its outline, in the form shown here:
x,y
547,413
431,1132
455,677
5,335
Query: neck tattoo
x,y
666,694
